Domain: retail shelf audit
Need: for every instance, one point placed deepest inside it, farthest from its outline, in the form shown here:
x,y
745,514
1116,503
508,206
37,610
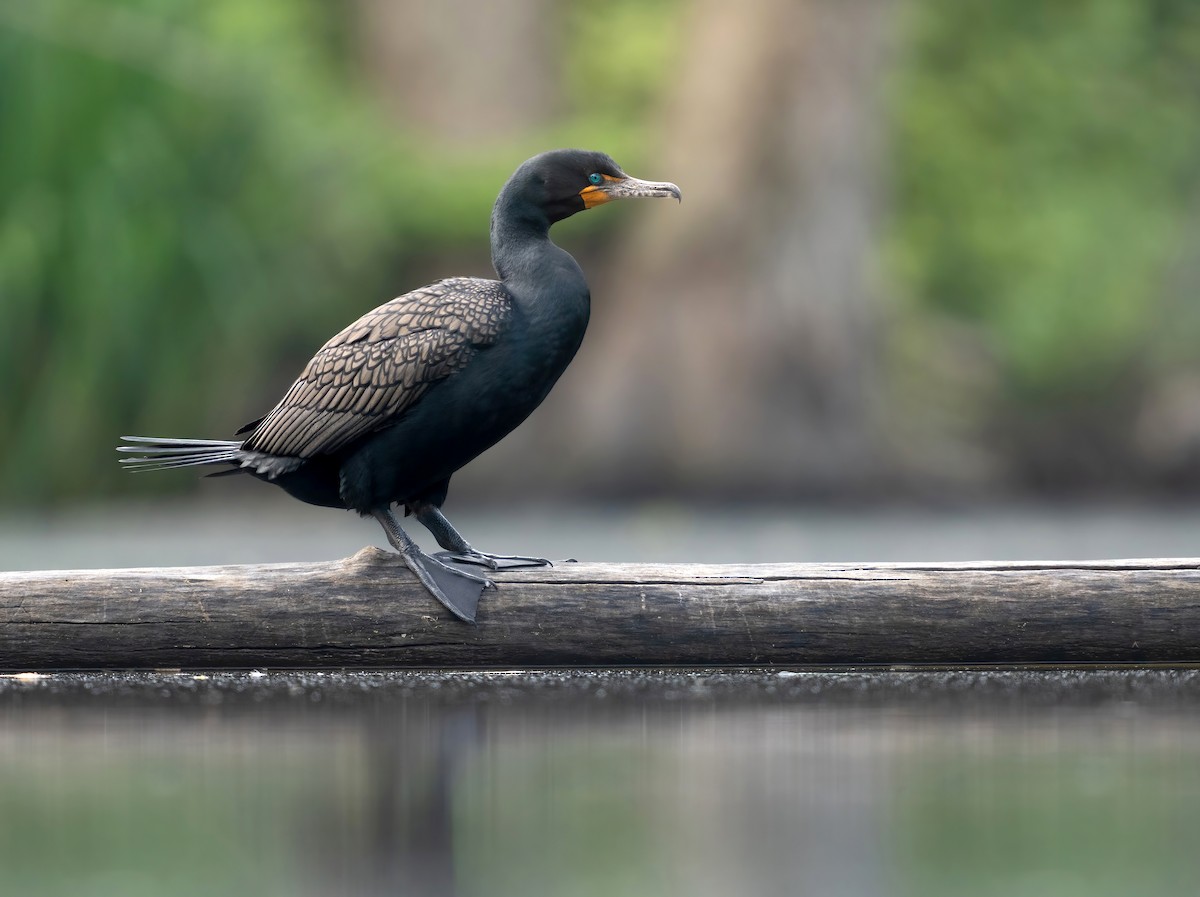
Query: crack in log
x,y
191,622
706,581
699,581
1036,567
293,648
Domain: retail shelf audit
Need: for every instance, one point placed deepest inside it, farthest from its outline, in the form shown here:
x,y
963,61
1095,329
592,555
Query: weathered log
x,y
368,611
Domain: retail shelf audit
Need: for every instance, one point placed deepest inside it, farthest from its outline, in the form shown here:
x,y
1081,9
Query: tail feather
x,y
173,442
165,453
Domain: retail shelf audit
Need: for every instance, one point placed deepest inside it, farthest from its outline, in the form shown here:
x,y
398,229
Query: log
x,y
368,611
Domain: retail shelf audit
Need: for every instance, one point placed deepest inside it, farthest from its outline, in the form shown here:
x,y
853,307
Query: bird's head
x,y
563,182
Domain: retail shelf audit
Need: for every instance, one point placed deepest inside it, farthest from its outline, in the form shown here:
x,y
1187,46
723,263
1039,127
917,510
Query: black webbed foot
x,y
458,550
457,590
492,561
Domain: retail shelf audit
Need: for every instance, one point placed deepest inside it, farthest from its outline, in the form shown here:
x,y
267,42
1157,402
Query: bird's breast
x,y
469,411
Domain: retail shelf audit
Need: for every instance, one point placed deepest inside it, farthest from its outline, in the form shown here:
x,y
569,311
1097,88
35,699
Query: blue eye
x,y
596,178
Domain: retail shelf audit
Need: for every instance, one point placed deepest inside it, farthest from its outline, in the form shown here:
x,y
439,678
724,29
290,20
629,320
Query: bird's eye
x,y
596,177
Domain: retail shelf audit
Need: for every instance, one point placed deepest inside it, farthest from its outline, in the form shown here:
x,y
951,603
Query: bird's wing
x,y
381,365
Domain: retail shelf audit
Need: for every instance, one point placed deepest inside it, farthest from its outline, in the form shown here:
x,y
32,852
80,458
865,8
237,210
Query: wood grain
x,y
368,611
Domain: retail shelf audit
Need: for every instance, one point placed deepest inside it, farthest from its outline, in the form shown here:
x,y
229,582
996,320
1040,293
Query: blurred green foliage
x,y
205,192
181,181
1045,179
194,196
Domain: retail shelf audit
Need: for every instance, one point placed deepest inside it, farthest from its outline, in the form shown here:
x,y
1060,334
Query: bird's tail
x,y
165,453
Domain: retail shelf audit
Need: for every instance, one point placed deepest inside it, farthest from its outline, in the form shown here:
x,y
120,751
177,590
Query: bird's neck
x,y
537,272
547,286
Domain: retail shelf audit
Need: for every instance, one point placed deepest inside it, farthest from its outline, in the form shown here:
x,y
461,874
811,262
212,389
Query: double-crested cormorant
x,y
393,405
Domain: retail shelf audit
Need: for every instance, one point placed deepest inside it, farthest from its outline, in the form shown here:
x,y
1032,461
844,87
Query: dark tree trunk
x,y
735,347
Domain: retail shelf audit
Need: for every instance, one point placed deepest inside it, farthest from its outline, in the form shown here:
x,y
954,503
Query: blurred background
x,y
930,295
930,250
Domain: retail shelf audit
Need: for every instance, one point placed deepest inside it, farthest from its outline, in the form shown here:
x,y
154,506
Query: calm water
x,y
602,783
963,784
224,525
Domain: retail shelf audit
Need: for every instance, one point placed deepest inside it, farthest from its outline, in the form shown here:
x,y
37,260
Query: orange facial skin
x,y
597,194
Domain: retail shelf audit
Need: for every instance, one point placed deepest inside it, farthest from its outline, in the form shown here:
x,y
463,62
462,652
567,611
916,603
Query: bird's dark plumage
x,y
367,376
392,406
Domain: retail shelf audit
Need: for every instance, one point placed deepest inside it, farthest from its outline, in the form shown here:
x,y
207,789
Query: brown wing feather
x,y
380,365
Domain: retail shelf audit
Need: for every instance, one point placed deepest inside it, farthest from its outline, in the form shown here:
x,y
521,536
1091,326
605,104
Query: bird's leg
x,y
459,550
457,590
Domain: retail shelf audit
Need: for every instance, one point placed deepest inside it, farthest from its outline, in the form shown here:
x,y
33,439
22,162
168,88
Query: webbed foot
x,y
457,590
492,561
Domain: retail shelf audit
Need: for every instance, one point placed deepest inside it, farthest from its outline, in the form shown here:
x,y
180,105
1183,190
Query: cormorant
x,y
393,405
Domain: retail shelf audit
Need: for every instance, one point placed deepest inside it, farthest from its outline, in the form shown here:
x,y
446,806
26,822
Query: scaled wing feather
x,y
381,365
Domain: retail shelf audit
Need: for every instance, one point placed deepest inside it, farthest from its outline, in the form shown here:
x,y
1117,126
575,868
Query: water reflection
x,y
412,771
603,783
